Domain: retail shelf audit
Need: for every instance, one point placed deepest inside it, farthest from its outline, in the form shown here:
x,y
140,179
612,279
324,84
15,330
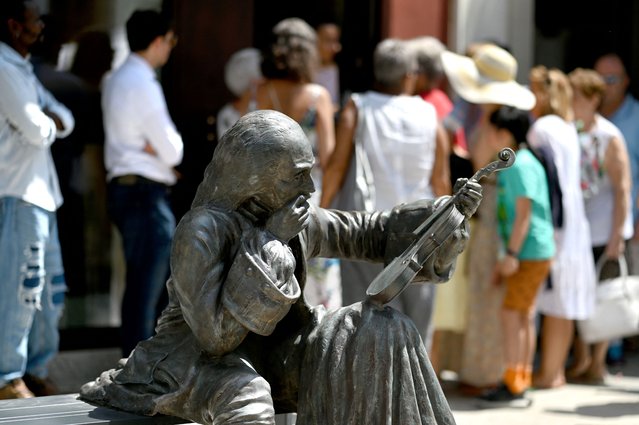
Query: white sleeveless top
x,y
598,190
398,135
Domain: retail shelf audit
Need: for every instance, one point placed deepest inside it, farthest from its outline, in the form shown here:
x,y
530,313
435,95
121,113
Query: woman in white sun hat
x,y
485,78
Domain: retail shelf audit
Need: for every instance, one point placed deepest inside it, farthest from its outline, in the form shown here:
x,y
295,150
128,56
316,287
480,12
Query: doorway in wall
x,y
574,33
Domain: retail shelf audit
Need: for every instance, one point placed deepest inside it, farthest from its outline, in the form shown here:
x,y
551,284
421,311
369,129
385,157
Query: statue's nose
x,y
309,186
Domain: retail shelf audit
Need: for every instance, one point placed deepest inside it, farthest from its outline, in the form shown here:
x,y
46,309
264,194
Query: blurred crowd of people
x,y
433,117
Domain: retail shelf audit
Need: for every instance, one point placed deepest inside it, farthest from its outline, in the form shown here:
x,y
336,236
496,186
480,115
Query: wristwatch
x,y
512,253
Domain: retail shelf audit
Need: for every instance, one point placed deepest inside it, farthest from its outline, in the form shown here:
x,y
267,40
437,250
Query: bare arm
x,y
440,178
617,163
523,211
337,166
325,128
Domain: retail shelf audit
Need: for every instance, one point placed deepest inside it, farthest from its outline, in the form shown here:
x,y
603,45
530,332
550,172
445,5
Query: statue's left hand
x,y
468,196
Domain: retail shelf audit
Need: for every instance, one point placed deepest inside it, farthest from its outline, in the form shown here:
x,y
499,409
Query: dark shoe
x,y
469,390
40,386
15,389
503,397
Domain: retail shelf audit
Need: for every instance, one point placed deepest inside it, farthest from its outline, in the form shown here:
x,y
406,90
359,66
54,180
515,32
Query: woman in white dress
x,y
570,292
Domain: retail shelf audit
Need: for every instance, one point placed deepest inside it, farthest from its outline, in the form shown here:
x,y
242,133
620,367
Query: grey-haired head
x,y
392,61
259,158
428,51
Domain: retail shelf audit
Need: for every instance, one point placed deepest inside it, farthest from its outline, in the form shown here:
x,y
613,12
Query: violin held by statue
x,y
432,233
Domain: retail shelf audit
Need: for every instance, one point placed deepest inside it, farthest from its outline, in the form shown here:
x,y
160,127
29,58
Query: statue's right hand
x,y
289,220
468,196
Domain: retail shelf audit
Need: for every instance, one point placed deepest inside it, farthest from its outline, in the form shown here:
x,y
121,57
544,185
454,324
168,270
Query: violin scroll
x,y
506,159
506,155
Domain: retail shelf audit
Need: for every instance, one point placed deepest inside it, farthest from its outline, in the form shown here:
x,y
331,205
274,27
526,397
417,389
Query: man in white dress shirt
x,y
142,147
32,285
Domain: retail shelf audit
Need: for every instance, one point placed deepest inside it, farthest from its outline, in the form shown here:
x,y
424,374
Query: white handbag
x,y
616,312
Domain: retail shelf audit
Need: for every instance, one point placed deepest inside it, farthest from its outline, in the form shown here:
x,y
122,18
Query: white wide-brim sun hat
x,y
487,77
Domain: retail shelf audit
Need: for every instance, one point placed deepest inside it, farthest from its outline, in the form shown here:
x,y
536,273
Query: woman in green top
x,y
525,223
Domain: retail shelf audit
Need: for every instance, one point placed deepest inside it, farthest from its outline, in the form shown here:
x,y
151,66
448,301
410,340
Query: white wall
x,y
510,22
43,5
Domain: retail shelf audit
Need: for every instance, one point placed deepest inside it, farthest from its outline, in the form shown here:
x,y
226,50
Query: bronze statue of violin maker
x,y
238,343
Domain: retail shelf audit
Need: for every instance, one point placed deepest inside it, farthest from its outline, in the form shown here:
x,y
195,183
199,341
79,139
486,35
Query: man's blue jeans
x,y
32,288
142,213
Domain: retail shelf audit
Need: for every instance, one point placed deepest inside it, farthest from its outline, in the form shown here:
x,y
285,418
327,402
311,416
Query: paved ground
x,y
615,403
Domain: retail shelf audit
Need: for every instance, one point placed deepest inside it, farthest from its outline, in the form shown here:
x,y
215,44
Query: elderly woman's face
x,y
583,106
292,177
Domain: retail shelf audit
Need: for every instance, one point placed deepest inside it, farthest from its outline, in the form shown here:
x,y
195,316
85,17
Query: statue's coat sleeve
x,y
230,279
381,236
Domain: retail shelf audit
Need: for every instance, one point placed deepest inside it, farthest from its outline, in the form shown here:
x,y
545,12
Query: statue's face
x,y
291,178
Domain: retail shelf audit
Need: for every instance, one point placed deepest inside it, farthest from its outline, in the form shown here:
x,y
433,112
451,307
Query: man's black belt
x,y
134,179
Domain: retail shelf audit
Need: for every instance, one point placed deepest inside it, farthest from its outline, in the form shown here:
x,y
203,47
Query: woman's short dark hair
x,y
515,121
93,56
144,26
293,53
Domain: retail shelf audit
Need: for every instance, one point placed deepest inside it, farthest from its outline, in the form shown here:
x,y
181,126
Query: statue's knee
x,y
247,401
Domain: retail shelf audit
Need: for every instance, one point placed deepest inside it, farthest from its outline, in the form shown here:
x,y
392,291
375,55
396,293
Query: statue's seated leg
x,y
214,391
223,391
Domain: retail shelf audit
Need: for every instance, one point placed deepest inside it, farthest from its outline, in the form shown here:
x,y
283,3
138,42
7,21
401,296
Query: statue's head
x,y
265,158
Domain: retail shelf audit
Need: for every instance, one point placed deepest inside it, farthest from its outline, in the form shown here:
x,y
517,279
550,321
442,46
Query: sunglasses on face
x,y
611,79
